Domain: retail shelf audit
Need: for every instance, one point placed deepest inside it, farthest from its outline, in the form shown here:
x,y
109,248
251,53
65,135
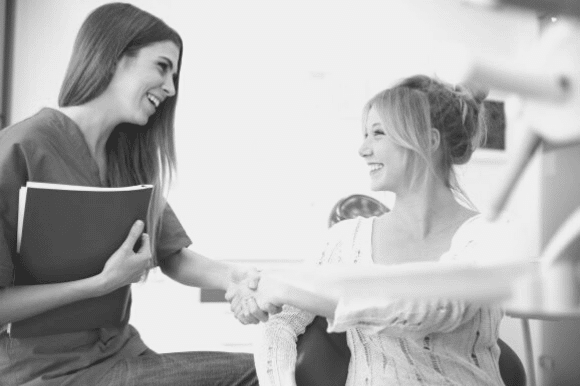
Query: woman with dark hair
x,y
113,128
413,134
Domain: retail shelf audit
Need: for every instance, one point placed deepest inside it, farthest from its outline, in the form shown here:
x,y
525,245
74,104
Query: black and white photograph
x,y
289,193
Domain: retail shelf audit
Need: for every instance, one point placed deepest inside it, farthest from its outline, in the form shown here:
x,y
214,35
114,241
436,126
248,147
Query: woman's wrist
x,y
270,290
97,285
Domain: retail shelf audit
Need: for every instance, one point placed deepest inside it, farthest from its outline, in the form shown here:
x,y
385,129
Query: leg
x,y
184,369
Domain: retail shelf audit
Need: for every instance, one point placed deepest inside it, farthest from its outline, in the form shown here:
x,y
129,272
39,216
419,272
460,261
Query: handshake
x,y
251,299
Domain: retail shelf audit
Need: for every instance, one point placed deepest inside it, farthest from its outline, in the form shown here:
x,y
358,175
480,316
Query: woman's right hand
x,y
126,266
249,303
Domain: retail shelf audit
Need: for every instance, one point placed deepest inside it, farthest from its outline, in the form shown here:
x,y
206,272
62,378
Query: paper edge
x,y
47,185
21,208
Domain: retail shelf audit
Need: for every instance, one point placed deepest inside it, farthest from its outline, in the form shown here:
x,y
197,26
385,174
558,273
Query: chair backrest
x,y
355,205
511,368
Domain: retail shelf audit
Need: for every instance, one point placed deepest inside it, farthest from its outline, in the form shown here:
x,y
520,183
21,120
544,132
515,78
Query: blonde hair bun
x,y
477,93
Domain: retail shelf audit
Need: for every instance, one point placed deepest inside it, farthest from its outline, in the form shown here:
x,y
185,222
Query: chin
x,y
380,187
141,120
376,188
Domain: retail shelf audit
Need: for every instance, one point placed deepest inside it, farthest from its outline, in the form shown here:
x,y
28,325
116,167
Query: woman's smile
x,y
375,168
154,100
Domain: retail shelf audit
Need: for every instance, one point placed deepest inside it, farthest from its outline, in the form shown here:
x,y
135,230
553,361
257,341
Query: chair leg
x,y
529,352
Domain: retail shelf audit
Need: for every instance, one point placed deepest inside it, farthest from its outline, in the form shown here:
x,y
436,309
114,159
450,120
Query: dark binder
x,y
67,233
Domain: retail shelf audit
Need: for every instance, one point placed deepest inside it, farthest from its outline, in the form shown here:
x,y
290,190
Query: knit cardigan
x,y
393,342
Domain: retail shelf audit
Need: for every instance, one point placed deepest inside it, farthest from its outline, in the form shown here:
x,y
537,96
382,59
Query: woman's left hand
x,y
241,294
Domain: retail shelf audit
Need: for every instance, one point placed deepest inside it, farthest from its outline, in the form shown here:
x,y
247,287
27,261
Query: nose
x,y
364,150
169,86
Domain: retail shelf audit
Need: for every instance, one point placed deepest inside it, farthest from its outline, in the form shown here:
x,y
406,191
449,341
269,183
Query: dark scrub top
x,y
49,147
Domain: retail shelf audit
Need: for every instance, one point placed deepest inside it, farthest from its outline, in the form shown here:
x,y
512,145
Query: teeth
x,y
375,167
154,100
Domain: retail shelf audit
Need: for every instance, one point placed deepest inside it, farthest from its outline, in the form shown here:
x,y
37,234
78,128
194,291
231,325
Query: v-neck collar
x,y
78,143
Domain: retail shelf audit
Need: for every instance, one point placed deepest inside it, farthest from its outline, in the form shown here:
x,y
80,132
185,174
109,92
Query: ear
x,y
126,61
435,139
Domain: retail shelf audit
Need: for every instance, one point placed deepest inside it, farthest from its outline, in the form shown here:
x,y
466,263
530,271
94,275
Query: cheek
x,y
151,80
406,161
399,166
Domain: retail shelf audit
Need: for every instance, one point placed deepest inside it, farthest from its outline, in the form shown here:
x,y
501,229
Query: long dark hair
x,y
135,154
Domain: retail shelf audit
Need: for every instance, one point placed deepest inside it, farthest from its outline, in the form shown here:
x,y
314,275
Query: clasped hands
x,y
248,302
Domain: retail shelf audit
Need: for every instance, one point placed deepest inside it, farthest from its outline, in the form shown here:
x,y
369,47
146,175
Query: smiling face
x,y
387,160
143,81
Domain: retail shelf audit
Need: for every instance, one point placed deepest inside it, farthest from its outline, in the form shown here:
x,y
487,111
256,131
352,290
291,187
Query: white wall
x,y
268,122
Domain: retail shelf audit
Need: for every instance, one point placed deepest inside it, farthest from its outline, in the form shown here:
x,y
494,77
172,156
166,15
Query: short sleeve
x,y
13,175
172,237
339,243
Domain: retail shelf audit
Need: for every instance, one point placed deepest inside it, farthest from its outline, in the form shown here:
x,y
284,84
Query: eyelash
x,y
163,66
375,133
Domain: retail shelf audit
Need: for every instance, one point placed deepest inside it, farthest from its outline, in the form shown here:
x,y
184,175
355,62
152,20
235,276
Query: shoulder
x,y
341,231
470,226
476,226
30,132
22,145
348,229
344,237
488,240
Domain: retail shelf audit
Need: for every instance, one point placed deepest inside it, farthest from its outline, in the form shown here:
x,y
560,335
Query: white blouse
x,y
398,342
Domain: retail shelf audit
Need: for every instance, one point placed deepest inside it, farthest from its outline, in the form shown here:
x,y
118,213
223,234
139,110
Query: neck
x,y
427,209
94,122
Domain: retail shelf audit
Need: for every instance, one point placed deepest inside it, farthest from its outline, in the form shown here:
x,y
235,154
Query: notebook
x,y
66,233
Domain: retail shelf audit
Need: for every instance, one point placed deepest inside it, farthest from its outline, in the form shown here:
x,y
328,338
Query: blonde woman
x,y
413,135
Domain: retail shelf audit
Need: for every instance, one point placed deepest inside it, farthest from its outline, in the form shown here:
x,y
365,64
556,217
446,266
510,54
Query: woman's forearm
x,y
275,354
21,302
193,269
122,268
305,293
